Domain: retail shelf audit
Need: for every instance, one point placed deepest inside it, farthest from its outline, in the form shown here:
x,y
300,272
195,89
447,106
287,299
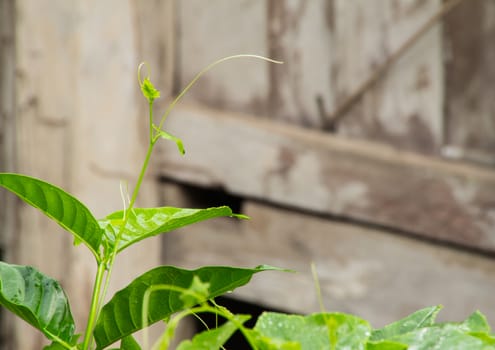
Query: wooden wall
x,y
394,203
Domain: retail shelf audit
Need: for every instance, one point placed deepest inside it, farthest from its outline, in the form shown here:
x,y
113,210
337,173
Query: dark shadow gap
x,y
201,196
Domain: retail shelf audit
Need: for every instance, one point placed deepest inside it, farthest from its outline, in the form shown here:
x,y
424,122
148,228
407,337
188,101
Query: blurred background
x,y
370,152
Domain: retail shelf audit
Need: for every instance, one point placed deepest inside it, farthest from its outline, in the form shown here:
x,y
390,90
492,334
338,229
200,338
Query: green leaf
x,y
54,346
386,345
419,319
196,293
317,331
442,337
486,338
149,90
58,205
476,323
165,135
473,333
37,299
213,339
129,343
146,222
122,315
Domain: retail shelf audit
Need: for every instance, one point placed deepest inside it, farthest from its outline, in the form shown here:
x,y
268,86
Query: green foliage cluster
x,y
170,293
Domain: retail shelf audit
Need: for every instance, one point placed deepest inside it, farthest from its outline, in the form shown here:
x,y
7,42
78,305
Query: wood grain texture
x,y
375,275
403,109
295,32
44,105
220,29
329,175
470,78
7,117
156,40
299,33
7,145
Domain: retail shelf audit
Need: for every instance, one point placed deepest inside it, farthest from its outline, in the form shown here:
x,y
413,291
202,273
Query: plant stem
x,y
109,264
139,181
135,192
94,305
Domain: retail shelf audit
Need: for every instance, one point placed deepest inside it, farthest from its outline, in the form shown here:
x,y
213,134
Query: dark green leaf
x,y
419,319
146,222
54,346
213,339
122,315
129,343
318,331
37,299
57,204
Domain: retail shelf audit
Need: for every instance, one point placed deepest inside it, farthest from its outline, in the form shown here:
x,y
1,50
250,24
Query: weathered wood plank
x,y
325,174
300,34
44,105
470,76
78,126
223,28
7,115
296,32
405,108
156,39
376,275
7,145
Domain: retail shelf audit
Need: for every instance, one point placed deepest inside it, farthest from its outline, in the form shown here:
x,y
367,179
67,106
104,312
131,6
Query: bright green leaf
x,y
213,339
165,135
318,331
419,319
37,299
58,205
149,91
424,334
484,337
386,345
444,337
122,315
147,222
476,323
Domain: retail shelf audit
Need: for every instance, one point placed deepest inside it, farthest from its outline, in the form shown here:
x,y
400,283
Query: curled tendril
x,y
206,69
148,69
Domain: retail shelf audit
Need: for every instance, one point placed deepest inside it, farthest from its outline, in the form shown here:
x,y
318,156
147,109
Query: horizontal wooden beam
x,y
375,275
332,175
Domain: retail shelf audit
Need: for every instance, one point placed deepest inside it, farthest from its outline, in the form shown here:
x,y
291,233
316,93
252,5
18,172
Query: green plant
x,y
171,293
41,301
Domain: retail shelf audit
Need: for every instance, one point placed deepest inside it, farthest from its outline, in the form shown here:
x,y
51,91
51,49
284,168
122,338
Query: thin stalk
x,y
95,300
110,263
98,294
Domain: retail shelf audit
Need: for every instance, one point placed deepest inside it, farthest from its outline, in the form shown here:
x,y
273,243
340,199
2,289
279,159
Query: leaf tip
x,y
240,216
